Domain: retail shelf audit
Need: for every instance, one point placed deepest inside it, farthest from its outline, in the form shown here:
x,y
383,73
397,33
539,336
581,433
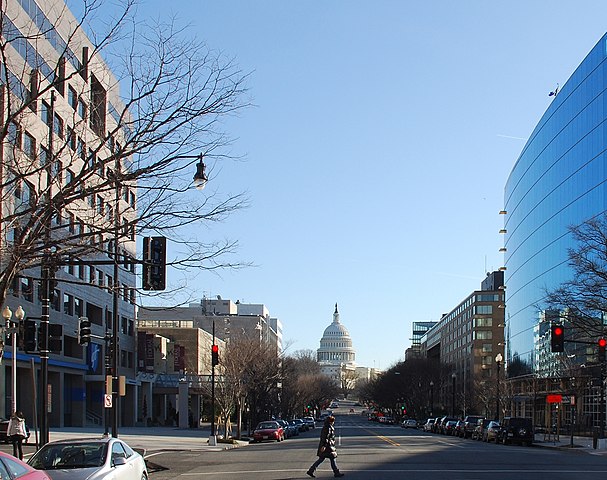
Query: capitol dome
x,y
336,344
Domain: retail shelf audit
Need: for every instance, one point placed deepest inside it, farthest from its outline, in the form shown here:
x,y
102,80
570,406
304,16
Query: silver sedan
x,y
90,459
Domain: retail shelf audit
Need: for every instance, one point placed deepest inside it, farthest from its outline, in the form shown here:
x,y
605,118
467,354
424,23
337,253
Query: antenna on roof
x,y
555,92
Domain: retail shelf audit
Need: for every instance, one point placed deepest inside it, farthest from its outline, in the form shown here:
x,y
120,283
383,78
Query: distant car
x,y
4,427
492,432
427,427
409,423
268,431
301,425
105,458
516,430
309,421
449,427
334,405
442,426
387,420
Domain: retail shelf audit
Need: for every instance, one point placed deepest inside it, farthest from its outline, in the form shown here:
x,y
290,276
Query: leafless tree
x,y
70,172
347,380
582,300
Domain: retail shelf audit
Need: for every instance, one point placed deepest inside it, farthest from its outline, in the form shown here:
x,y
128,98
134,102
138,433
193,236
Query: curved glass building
x,y
559,180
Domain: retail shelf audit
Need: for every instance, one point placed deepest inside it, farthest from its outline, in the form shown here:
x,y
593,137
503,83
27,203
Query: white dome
x,y
336,345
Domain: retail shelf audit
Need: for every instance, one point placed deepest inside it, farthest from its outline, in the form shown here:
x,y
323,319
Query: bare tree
x,y
582,300
347,380
101,138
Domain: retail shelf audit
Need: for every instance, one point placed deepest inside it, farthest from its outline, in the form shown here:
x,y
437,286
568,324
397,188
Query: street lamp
x,y
498,363
453,377
12,328
431,398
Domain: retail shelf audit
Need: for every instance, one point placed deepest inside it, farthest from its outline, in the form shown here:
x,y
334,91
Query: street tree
x,y
102,136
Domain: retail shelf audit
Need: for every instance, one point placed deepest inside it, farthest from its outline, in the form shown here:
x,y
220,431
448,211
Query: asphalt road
x,y
368,450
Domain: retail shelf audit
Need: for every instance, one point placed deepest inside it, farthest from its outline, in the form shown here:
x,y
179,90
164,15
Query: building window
x,y
68,304
483,335
483,309
58,126
72,97
78,307
82,109
483,322
29,145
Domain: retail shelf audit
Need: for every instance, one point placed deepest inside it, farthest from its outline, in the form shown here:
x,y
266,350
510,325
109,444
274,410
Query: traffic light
x,y
215,355
29,335
154,263
557,338
55,337
84,331
602,344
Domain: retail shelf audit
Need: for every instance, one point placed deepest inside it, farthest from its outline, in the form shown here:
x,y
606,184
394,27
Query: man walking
x,y
326,448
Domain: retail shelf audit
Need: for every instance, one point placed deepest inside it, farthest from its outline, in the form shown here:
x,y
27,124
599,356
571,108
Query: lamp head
x,y
7,313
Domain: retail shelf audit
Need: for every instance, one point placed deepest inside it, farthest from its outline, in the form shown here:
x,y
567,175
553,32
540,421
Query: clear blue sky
x,y
378,150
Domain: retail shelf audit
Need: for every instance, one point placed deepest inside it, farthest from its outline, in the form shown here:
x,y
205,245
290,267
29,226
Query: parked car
x,y
269,430
449,427
309,421
443,424
104,458
4,427
294,427
479,430
409,423
427,427
459,429
387,420
517,430
436,425
470,423
301,425
287,428
492,432
19,469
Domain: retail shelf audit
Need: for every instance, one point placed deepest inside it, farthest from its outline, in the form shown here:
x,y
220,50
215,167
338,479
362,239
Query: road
x,y
368,450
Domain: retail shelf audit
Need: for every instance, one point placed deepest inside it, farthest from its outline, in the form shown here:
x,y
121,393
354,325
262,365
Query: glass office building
x,y
558,180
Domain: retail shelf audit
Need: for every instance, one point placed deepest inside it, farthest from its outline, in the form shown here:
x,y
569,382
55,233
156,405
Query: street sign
x,y
107,401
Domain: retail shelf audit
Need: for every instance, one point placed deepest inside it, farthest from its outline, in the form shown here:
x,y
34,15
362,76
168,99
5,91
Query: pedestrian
x,y
326,448
17,432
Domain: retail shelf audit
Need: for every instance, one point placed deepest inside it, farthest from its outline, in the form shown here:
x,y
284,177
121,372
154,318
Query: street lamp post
x,y
431,398
453,377
498,363
12,328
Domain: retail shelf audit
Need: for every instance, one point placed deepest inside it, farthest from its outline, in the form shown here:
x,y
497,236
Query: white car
x,y
409,423
92,459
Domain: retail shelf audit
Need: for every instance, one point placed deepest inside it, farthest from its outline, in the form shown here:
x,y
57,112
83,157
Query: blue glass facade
x,y
558,180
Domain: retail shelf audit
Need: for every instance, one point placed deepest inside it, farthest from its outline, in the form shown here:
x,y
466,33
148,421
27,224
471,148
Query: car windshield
x,y
65,456
266,426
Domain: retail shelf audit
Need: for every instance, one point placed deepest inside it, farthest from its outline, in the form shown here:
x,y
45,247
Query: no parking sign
x,y
107,401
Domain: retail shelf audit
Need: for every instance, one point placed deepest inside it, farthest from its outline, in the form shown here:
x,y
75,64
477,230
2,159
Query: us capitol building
x,y
336,354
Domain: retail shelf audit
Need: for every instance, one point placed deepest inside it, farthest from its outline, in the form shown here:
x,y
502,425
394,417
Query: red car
x,y
19,469
269,430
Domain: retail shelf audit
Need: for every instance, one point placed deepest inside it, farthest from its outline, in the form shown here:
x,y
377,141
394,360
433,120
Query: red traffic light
x,y
215,349
558,331
602,342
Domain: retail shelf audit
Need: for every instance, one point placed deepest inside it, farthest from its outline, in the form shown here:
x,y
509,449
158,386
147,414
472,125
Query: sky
x,y
377,150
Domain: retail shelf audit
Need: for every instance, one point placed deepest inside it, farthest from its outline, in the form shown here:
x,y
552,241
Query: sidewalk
x,y
564,442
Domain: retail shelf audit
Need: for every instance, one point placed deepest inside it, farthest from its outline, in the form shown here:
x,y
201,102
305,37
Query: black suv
x,y
517,430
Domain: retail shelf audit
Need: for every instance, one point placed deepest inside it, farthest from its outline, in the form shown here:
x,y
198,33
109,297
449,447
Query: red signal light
x,y
558,331
215,348
602,342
